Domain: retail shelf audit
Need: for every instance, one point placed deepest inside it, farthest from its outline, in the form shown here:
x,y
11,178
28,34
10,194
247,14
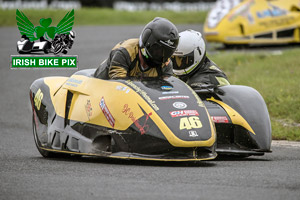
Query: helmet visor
x,y
160,52
183,62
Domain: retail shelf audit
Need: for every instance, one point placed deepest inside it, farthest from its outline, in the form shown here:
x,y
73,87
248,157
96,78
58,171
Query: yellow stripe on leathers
x,y
235,117
93,89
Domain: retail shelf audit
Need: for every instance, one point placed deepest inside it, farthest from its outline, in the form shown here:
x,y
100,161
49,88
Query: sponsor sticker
x,y
143,128
272,11
88,109
220,119
179,105
38,97
73,82
193,134
143,94
166,87
180,113
106,112
173,97
170,92
123,88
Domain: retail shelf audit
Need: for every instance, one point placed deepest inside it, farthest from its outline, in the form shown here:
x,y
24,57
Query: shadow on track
x,y
128,162
239,158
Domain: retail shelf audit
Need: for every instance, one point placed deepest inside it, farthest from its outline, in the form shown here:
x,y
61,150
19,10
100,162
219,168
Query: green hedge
x,y
275,74
97,16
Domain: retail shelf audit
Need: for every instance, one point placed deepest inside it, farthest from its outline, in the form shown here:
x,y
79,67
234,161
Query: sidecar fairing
x,y
151,119
241,118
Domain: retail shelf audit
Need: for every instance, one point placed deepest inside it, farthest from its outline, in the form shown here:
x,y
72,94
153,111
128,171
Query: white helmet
x,y
189,53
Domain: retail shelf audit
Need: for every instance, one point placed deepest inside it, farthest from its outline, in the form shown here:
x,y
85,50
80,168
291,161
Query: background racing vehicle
x,y
146,119
259,22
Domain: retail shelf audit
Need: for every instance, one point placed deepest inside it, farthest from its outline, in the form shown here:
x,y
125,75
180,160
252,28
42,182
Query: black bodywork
x,y
233,139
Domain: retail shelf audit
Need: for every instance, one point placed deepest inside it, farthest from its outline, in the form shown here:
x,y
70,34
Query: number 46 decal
x,y
189,123
38,97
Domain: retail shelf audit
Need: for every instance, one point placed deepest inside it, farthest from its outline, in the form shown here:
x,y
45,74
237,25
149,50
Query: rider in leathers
x,y
148,56
191,64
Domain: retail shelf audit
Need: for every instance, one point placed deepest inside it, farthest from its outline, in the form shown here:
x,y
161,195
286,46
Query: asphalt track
x,y
24,174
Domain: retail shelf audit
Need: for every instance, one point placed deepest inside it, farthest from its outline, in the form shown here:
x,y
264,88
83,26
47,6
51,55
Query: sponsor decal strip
x,y
122,88
107,113
88,109
166,87
173,97
170,92
179,105
142,128
180,113
219,119
144,94
193,134
73,82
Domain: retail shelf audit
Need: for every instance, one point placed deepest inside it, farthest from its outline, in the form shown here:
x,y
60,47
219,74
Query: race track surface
x,y
25,174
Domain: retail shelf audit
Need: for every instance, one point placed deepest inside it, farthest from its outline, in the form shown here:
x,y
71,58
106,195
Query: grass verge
x,y
276,77
101,16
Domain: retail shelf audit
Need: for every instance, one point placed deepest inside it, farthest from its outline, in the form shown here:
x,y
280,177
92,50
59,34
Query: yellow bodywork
x,y
90,91
254,22
235,117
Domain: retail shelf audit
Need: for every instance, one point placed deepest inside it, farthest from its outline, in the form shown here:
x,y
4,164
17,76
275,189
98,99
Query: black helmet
x,y
158,41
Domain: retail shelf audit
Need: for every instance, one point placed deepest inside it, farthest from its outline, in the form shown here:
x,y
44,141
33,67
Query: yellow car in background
x,y
262,22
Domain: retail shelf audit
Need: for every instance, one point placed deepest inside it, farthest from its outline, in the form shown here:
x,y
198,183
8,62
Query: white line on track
x,y
285,143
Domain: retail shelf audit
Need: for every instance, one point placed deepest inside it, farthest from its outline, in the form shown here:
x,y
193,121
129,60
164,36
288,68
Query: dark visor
x,y
160,53
183,62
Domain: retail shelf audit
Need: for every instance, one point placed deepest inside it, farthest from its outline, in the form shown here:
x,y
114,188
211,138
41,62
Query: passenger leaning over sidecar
x,y
191,64
148,56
